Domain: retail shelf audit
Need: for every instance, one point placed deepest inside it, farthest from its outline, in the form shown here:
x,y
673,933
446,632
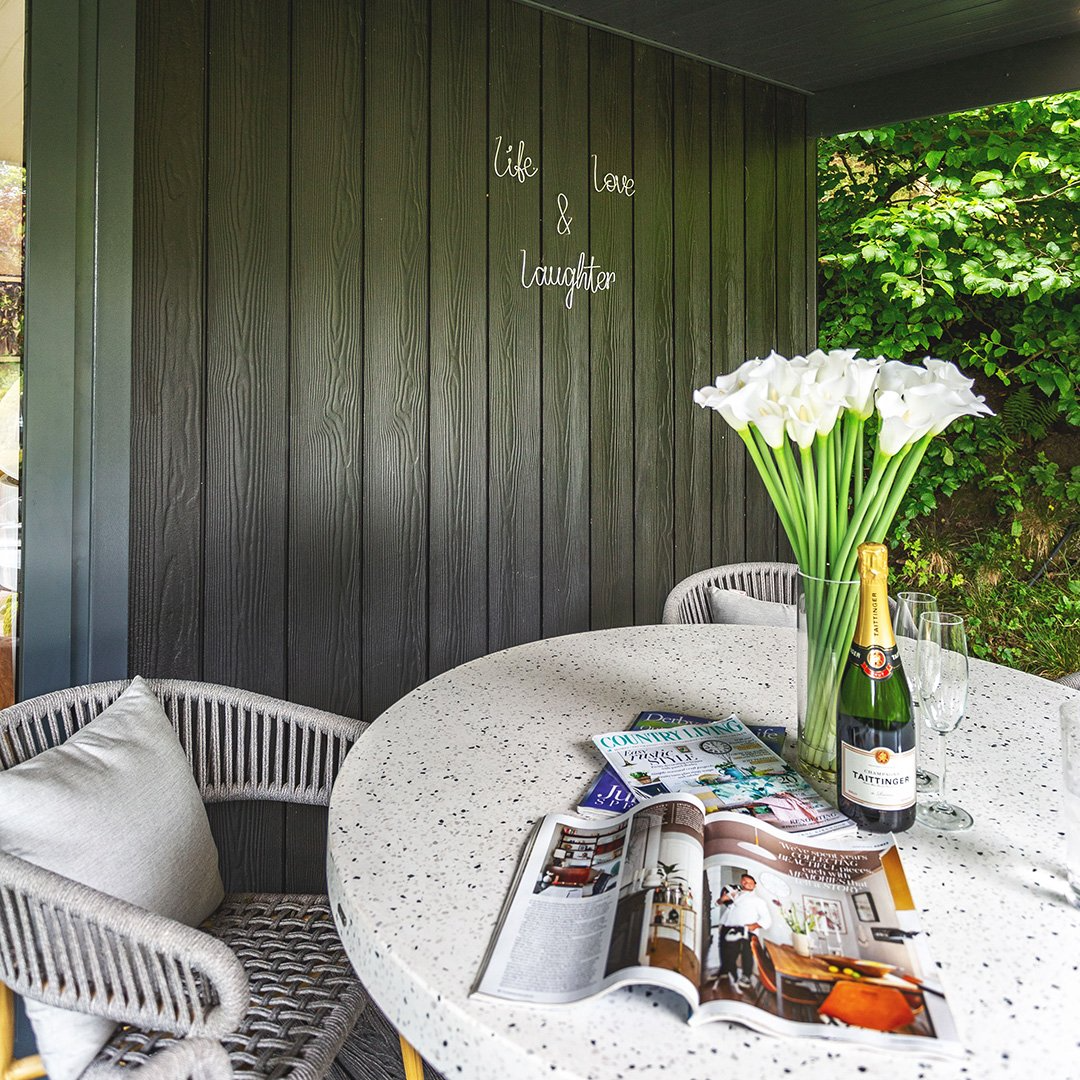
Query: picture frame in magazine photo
x,y
419,869
863,903
827,913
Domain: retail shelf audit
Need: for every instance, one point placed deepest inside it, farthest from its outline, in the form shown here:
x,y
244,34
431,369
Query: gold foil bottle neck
x,y
873,560
874,626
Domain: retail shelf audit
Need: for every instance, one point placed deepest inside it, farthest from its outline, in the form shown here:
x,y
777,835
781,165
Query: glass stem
x,y
941,800
939,764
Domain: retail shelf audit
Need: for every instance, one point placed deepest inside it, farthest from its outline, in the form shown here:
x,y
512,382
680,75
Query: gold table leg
x,y
414,1064
27,1068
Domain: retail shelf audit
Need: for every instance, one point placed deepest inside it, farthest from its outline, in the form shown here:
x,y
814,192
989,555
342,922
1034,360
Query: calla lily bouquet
x,y
804,421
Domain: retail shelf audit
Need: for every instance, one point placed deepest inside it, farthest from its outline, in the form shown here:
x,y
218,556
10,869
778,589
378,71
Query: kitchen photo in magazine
x,y
748,923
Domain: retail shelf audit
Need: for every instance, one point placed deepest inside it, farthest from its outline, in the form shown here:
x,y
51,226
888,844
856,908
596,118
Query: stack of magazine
x,y
718,882
726,764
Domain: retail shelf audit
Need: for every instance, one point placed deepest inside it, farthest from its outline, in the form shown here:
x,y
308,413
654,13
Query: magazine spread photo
x,y
747,922
724,765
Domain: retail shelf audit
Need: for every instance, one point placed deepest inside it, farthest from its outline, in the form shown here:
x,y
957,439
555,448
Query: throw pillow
x,y
117,808
733,606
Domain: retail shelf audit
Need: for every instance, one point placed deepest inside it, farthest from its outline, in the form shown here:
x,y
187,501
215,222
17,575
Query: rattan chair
x,y
263,988
688,602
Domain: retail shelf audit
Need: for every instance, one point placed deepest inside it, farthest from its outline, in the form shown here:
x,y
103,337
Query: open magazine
x,y
747,922
724,764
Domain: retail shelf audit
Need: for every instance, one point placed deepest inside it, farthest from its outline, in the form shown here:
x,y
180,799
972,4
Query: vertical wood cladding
x,y
363,452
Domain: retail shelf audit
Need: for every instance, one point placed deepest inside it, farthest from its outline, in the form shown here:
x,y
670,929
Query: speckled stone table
x,y
432,807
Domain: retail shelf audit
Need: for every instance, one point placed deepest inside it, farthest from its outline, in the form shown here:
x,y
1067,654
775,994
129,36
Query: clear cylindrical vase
x,y
826,622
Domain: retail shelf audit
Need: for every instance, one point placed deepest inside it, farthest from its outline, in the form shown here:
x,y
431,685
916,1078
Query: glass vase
x,y
827,609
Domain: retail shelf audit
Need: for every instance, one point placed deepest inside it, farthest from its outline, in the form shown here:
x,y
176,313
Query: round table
x,y
432,807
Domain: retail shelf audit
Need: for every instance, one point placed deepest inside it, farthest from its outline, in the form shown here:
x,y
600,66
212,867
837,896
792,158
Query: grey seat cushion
x,y
733,606
116,808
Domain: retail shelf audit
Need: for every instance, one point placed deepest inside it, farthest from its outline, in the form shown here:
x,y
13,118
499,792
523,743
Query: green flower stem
x,y
822,460
826,654
766,464
875,495
879,530
794,489
852,423
766,467
860,457
792,481
811,501
877,486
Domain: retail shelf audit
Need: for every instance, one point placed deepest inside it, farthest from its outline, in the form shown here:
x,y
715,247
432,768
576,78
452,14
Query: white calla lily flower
x,y
905,419
948,374
800,426
957,403
895,376
860,380
751,404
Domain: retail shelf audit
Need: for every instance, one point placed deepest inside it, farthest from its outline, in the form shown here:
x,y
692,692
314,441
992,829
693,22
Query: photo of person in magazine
x,y
820,951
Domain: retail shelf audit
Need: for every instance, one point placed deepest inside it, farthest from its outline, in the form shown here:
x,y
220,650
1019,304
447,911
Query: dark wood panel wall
x,y
362,451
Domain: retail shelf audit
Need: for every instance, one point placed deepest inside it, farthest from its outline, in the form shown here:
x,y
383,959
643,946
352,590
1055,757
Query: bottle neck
x,y
874,626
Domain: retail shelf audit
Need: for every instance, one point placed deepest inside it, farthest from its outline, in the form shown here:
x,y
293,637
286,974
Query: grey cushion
x,y
733,606
115,807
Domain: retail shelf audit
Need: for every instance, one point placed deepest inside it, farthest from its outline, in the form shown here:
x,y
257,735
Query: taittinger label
x,y
880,779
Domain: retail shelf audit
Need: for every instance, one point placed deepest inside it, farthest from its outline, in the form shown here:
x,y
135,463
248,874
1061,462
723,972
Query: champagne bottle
x,y
875,732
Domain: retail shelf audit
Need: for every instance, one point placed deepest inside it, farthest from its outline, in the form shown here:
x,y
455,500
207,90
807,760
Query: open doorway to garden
x,y
12,206
959,237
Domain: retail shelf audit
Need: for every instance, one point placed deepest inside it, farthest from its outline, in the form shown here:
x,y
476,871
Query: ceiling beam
x,y
1013,74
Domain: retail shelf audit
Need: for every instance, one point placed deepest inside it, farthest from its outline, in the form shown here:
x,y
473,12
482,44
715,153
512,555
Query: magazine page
x,y
597,905
817,939
608,795
725,766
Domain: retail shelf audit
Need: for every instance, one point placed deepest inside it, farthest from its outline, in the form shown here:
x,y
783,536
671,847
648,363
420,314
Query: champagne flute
x,y
909,608
942,661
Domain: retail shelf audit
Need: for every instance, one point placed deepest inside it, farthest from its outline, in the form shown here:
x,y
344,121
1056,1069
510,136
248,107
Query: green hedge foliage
x,y
959,237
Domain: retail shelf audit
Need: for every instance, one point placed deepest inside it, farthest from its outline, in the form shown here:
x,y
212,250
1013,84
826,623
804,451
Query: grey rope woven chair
x,y
263,989
1072,681
688,602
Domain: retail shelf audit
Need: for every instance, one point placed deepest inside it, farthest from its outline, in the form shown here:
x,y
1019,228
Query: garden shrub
x,y
958,237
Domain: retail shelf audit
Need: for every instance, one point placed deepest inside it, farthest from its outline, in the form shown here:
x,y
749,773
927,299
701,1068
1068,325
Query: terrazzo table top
x,y
433,805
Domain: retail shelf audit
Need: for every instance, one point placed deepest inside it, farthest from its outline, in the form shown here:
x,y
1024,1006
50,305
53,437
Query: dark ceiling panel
x,y
816,45
1026,71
